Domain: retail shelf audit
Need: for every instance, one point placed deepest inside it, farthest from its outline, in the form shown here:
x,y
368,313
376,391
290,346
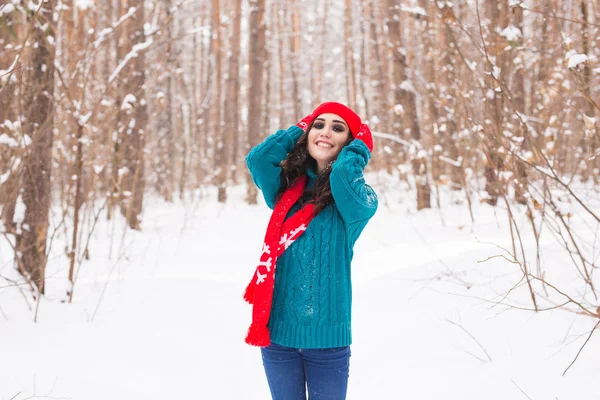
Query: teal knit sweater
x,y
312,298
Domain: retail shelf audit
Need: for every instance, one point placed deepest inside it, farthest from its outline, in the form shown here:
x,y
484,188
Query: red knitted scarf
x,y
280,235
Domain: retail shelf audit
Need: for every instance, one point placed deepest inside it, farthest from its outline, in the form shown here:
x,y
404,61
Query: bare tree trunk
x,y
447,122
200,94
116,134
268,71
215,132
379,98
217,128
539,84
256,59
349,54
281,26
267,90
591,140
232,115
195,104
404,94
167,144
186,134
97,180
9,189
133,140
8,196
318,80
363,64
294,60
77,206
208,91
67,57
394,45
186,85
518,98
38,107
494,109
430,115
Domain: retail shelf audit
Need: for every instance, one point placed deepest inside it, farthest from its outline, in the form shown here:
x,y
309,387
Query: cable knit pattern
x,y
303,294
312,298
355,199
324,276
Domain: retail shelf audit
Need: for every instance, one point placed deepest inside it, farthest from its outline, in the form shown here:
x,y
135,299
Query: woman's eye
x,y
338,128
319,125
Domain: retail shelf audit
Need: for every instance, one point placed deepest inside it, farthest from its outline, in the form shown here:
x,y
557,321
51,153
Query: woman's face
x,y
326,139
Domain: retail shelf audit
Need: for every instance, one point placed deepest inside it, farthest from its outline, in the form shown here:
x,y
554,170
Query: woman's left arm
x,y
355,200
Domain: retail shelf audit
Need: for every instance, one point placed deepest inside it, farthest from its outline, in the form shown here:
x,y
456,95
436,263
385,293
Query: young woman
x,y
311,175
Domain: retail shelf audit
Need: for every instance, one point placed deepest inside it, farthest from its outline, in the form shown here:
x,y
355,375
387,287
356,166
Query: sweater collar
x,y
311,172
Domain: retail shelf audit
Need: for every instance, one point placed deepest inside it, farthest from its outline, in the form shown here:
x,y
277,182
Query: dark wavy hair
x,y
296,163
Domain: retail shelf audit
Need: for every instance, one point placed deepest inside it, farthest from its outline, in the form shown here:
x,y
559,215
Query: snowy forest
x,y
112,110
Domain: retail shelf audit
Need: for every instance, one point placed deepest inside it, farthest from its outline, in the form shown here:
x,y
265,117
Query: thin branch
x,y
578,304
471,336
554,16
521,390
393,138
579,352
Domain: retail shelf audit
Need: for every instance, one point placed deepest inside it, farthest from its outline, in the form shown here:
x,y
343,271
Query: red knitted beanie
x,y
352,119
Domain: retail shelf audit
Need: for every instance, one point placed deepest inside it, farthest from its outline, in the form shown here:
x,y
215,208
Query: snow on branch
x,y
548,171
3,179
407,85
7,9
107,31
577,59
5,74
456,163
15,165
392,138
34,7
84,4
7,140
511,33
413,10
128,102
135,50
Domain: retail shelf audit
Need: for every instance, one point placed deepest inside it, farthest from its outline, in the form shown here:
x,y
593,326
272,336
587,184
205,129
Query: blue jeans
x,y
289,372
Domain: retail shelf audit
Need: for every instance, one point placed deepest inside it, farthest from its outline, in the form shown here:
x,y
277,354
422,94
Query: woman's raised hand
x,y
364,134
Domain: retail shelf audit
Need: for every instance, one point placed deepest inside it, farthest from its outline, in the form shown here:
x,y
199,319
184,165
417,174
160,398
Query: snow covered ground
x,y
159,314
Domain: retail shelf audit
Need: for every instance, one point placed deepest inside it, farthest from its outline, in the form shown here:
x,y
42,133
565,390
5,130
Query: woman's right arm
x,y
264,161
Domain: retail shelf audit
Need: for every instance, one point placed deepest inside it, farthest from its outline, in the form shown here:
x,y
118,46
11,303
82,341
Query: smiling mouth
x,y
323,144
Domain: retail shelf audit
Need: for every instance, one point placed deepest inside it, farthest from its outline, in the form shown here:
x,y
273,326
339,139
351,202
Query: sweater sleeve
x,y
355,200
263,161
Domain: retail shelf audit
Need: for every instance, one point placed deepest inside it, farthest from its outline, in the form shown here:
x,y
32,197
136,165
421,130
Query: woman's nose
x,y
326,131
